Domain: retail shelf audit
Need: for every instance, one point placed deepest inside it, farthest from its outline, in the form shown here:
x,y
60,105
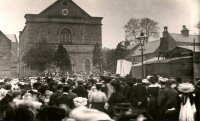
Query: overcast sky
x,y
116,13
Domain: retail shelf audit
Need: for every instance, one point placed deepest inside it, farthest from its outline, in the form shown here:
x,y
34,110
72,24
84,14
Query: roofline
x,y
81,8
48,7
6,37
22,31
37,15
189,34
59,1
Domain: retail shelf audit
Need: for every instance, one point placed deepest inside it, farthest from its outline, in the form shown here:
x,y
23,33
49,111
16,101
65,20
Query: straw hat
x,y
186,87
85,114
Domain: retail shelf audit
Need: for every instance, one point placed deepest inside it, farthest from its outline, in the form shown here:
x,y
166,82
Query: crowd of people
x,y
99,98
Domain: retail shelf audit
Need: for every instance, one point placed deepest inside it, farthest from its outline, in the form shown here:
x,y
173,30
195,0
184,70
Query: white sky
x,y
116,13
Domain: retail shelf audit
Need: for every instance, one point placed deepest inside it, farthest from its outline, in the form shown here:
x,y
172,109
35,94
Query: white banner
x,y
123,67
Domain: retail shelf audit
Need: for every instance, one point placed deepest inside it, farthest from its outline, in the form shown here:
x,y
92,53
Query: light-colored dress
x,y
187,111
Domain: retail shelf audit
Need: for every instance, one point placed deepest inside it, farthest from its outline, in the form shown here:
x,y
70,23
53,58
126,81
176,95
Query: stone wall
x,y
5,56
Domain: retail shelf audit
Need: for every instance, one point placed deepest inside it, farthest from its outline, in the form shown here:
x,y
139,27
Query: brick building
x,y
8,55
64,23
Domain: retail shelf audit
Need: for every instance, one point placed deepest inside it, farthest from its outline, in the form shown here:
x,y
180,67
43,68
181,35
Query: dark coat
x,y
80,91
53,99
167,99
171,115
65,99
138,94
153,101
171,97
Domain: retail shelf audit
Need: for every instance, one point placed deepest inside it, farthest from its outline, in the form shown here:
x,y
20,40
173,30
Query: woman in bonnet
x,y
188,109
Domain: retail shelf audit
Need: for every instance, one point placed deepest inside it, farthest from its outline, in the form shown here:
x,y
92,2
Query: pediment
x,y
64,8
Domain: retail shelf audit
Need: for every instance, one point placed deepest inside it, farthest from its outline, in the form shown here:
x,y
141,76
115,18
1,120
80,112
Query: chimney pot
x,y
165,28
185,31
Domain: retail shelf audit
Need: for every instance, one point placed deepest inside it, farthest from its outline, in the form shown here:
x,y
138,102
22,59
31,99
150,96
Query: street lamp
x,y
142,40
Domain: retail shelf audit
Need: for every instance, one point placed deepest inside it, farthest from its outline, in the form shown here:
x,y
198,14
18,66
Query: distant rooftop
x,y
150,47
12,37
181,38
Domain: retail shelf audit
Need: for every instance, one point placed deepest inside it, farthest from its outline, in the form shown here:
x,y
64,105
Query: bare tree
x,y
135,26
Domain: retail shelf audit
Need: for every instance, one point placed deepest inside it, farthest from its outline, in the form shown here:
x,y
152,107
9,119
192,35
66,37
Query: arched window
x,y
73,64
43,33
86,37
65,36
87,65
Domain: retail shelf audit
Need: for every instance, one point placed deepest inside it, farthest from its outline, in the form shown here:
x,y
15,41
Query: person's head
x,y
98,86
107,79
36,85
42,89
66,88
80,82
162,81
153,80
168,83
178,80
116,84
8,86
63,80
59,87
35,94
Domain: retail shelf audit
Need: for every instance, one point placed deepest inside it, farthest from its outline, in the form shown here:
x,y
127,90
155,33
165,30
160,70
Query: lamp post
x,y
141,40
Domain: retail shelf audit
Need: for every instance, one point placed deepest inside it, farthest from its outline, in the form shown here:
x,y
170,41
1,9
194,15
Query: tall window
x,y
65,36
86,37
72,64
43,33
87,65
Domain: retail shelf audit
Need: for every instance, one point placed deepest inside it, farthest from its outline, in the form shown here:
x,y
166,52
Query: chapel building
x,y
63,22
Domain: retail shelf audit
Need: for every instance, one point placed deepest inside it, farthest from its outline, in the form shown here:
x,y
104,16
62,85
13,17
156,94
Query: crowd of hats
x,y
11,88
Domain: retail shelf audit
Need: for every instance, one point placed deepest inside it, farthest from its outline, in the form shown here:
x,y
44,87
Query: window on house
x,y
65,36
43,33
86,37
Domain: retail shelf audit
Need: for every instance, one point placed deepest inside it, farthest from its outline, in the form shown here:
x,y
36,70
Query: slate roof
x,y
12,37
150,47
181,38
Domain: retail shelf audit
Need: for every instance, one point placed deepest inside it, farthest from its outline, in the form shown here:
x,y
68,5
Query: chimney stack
x,y
165,32
185,31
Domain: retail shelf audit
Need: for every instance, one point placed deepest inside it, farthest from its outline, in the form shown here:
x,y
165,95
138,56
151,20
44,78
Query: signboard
x,y
123,67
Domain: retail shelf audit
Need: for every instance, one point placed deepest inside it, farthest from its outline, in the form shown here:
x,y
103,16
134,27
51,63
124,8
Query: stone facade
x,y
8,56
63,23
